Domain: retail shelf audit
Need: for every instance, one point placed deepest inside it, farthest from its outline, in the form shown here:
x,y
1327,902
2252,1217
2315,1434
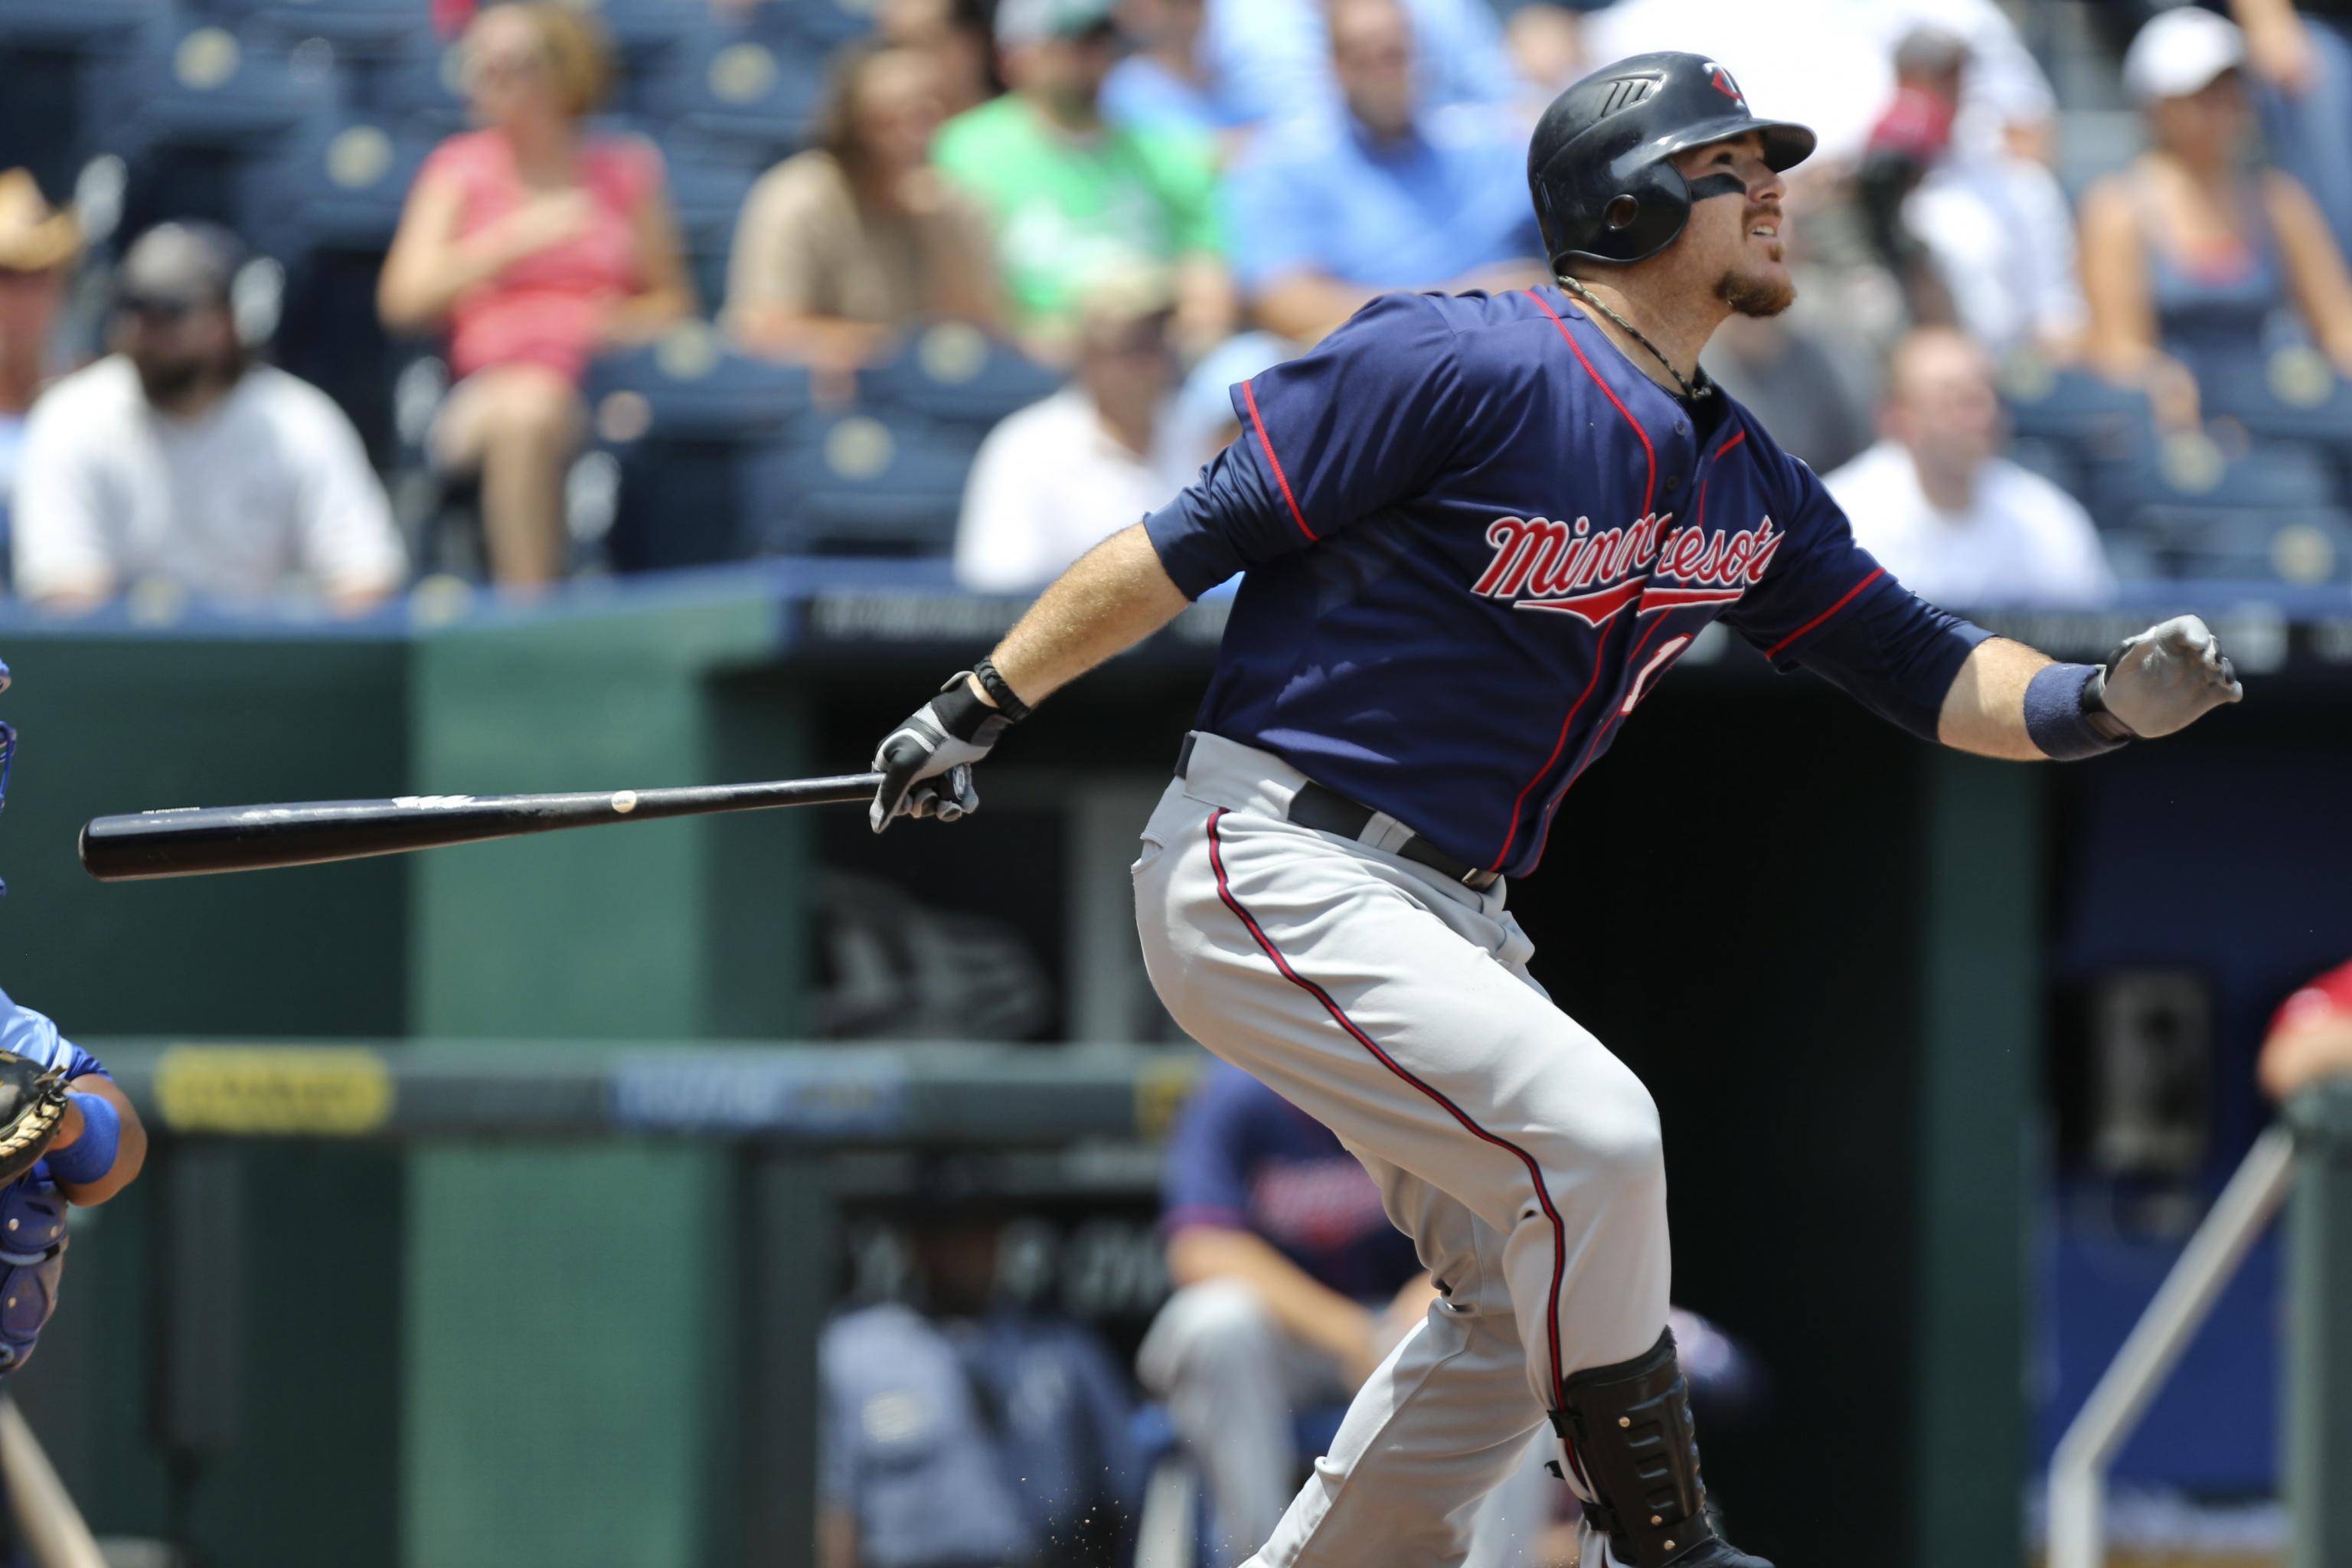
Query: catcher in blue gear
x,y
68,1135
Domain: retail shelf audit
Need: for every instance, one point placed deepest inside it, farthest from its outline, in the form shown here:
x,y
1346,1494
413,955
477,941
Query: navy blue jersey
x,y
1476,535
1240,1157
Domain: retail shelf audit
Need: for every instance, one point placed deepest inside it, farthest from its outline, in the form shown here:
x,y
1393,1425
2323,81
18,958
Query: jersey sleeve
x,y
33,1035
1823,604
1206,1179
1364,419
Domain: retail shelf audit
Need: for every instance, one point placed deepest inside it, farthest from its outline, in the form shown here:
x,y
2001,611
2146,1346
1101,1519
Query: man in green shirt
x,y
1071,196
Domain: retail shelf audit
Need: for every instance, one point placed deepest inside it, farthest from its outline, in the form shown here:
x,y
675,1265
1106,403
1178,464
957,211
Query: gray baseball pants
x,y
1395,1008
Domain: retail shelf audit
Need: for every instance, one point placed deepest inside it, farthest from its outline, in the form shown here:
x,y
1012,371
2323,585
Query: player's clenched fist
x,y
2165,679
939,741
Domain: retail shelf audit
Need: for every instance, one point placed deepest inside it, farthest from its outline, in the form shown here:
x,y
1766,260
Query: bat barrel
x,y
201,840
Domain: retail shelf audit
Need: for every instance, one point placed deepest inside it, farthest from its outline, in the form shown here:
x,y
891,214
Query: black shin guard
x,y
1629,1436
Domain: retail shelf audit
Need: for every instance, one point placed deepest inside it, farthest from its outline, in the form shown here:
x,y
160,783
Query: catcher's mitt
x,y
32,1107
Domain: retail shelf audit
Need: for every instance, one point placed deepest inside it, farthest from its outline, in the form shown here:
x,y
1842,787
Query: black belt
x,y
1329,811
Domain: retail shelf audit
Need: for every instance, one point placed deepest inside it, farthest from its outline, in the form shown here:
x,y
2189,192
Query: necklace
x,y
1703,387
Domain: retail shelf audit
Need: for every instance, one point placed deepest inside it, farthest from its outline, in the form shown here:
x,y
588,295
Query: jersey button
x,y
1674,482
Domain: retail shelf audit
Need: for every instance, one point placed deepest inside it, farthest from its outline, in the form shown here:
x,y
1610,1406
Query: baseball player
x,y
68,1135
1477,530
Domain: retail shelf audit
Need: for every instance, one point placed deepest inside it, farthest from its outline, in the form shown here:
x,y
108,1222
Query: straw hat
x,y
34,235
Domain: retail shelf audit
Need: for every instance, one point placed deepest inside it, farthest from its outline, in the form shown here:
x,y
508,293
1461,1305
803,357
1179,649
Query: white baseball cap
x,y
2180,52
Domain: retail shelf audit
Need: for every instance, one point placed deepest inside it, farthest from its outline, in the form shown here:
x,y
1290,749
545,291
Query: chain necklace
x,y
1693,392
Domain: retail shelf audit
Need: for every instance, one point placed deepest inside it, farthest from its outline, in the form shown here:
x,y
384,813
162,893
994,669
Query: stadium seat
x,y
731,87
417,86
856,483
956,374
707,183
203,86
819,25
2296,396
2256,546
336,183
2095,418
2054,460
373,27
77,27
690,387
2191,473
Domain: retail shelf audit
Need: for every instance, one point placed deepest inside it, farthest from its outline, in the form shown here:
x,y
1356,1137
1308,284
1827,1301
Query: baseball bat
x,y
195,841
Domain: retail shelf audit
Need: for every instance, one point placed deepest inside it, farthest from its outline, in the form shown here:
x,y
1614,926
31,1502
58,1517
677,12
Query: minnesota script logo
x,y
1541,565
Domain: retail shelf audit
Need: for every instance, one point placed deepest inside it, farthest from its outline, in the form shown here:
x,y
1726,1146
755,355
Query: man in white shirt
x,y
1053,480
1940,507
179,459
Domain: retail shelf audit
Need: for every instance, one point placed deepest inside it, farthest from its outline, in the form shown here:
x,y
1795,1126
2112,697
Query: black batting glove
x,y
926,763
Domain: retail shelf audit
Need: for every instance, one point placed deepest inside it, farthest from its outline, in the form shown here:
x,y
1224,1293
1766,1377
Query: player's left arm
x,y
1820,602
101,1144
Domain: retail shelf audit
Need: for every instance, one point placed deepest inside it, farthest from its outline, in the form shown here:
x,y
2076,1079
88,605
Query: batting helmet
x,y
1601,165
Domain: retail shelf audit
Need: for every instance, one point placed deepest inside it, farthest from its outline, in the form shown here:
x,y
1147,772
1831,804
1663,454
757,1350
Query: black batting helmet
x,y
1600,164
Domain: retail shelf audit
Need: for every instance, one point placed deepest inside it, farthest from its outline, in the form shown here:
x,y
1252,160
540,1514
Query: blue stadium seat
x,y
337,183
203,86
821,26
955,374
366,26
2296,395
2095,417
856,483
707,183
77,27
2192,474
2249,546
730,86
641,30
690,387
417,86
2054,460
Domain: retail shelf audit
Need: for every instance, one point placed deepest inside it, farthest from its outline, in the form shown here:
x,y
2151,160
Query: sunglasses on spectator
x,y
508,66
163,312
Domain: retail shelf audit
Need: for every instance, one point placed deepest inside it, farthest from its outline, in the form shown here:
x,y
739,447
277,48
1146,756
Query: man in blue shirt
x,y
1379,194
1480,531
1291,1285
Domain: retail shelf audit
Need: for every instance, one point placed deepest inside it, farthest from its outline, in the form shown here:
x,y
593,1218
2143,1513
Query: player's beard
x,y
1754,295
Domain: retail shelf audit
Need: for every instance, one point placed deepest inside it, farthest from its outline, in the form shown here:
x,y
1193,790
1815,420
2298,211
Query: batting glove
x,y
939,741
2164,680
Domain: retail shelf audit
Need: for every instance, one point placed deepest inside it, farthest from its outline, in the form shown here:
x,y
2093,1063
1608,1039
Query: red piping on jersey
x,y
1649,493
1649,490
1274,463
1775,651
1599,649
1727,445
1535,1172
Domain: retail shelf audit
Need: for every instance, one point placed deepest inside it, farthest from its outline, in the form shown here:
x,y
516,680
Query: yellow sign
x,y
298,1092
1161,1090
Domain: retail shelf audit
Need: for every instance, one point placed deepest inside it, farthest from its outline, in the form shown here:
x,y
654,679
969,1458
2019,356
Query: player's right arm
x,y
1368,417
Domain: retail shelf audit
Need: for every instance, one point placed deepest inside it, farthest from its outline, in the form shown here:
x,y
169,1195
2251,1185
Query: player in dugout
x,y
68,1135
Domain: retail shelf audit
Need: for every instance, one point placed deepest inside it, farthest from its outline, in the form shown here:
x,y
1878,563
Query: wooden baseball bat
x,y
195,841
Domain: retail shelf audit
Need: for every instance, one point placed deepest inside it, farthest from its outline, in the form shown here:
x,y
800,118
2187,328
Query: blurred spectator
x,y
1994,226
38,247
842,244
1327,213
1940,506
535,244
1069,196
2190,253
973,1433
955,34
1291,1286
1165,80
2311,1037
180,458
1270,60
1812,403
2303,64
1831,63
1054,480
